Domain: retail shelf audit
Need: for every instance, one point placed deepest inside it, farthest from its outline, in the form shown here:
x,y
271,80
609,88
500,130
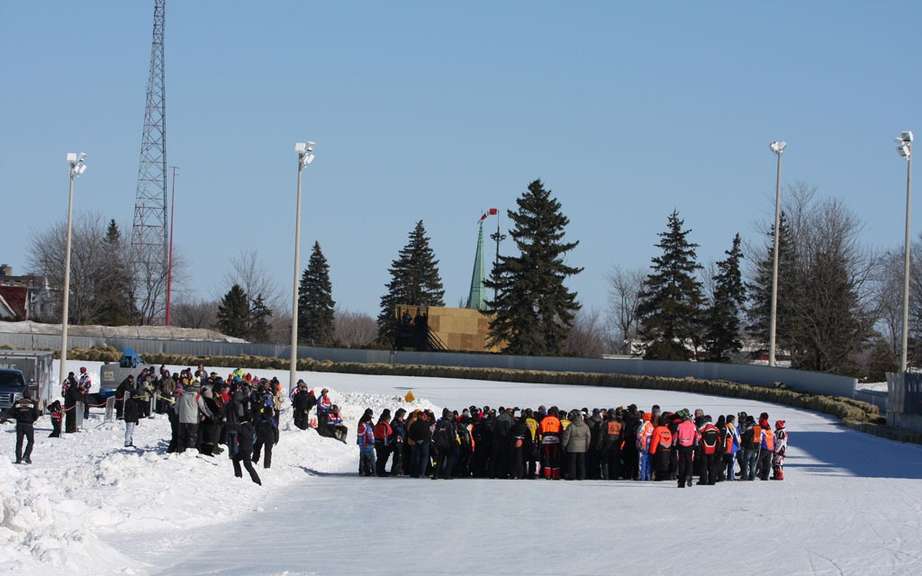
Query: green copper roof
x,y
475,297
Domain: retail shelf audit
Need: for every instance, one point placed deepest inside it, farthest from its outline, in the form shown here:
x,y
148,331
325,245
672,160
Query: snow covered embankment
x,y
85,486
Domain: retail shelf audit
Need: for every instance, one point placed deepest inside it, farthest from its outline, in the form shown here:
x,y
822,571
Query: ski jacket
x,y
577,437
644,435
710,439
188,405
781,442
731,440
686,434
383,432
85,383
132,410
550,430
365,436
324,404
532,427
611,434
419,432
399,429
753,438
661,439
768,440
24,411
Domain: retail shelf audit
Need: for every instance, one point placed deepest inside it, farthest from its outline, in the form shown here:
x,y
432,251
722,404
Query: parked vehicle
x,y
33,369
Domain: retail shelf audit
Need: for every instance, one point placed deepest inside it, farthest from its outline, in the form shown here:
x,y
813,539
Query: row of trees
x,y
839,305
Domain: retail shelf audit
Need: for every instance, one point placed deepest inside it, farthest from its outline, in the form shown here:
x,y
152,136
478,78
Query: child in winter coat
x,y
781,445
57,414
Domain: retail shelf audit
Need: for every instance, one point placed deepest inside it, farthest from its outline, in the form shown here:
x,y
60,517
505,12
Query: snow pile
x,y
85,490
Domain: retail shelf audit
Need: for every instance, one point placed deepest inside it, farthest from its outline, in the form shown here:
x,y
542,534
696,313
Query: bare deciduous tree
x,y
89,259
624,290
248,272
354,329
195,314
587,336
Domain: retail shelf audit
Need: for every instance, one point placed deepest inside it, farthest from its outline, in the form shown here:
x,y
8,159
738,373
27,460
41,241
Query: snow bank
x,y
82,489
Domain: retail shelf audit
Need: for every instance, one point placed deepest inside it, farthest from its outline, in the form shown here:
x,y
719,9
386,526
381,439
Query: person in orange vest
x,y
550,444
766,451
781,446
661,450
612,428
709,450
644,435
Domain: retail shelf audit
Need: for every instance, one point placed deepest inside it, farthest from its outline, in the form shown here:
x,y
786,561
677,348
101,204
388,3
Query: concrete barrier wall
x,y
813,382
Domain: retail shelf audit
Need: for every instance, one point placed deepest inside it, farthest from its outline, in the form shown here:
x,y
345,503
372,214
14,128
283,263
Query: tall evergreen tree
x,y
258,320
533,310
760,290
114,294
234,313
723,320
671,300
415,281
315,302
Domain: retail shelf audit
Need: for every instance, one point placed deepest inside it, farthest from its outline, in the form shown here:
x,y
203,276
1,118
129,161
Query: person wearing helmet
x,y
781,446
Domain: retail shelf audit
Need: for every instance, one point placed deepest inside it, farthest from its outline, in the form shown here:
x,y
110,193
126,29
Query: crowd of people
x,y
240,413
613,444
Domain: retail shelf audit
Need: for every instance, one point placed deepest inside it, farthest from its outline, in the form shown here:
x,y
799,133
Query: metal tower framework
x,y
150,231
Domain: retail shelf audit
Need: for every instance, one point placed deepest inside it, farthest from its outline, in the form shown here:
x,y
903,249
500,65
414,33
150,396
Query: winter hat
x,y
779,424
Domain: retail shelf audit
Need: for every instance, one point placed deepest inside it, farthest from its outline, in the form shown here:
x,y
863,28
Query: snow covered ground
x,y
849,505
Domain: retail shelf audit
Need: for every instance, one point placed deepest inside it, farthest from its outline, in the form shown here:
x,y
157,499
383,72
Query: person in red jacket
x,y
709,450
383,434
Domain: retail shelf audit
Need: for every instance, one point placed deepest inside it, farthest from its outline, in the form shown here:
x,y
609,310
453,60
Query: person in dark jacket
x,y
71,392
212,418
594,456
127,385
132,415
240,432
398,442
301,402
521,447
420,435
264,421
25,412
629,455
445,439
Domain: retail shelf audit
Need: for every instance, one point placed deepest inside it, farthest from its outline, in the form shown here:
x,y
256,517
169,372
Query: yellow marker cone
x,y
409,397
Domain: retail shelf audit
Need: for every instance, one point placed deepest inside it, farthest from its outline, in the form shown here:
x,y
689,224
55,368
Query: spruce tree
x,y
723,319
671,300
315,302
760,291
115,287
533,310
415,281
234,313
258,320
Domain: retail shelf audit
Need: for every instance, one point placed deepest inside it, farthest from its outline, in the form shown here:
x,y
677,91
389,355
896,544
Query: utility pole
x,y
169,266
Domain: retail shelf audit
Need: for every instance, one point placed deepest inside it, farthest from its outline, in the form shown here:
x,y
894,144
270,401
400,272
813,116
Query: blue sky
x,y
436,111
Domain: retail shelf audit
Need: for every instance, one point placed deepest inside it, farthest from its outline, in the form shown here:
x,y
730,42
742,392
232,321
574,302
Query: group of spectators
x,y
618,443
207,412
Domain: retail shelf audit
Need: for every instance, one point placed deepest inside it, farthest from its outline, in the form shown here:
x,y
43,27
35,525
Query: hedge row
x,y
847,409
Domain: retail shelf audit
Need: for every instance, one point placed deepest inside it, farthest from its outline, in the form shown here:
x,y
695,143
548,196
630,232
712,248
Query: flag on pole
x,y
489,212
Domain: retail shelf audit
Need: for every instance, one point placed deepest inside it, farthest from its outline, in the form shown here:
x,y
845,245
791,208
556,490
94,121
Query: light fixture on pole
x,y
305,152
76,166
904,147
777,147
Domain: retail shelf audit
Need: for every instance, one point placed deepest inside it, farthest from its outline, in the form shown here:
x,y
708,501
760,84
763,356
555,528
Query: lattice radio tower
x,y
149,230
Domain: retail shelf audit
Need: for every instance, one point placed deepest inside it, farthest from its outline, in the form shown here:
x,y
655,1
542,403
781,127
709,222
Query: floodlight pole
x,y
305,156
75,167
907,246
778,148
